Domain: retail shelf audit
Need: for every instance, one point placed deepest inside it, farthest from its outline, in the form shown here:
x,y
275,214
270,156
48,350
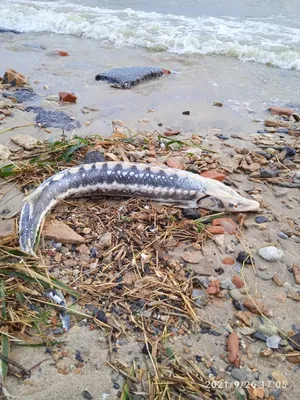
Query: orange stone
x,y
226,223
228,261
14,78
237,281
171,132
66,97
233,347
213,174
166,71
62,53
215,230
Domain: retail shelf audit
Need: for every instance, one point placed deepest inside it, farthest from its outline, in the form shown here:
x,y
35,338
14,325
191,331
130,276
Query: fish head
x,y
219,197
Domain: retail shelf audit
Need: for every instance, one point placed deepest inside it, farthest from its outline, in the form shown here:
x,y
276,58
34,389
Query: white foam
x,y
261,41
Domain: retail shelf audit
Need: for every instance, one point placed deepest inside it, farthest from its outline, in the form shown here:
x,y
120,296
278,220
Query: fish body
x,y
166,185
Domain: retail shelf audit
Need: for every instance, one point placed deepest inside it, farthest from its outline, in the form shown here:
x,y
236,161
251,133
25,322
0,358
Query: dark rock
x,y
219,270
238,305
124,78
78,356
100,315
191,213
21,95
87,395
242,256
222,137
93,253
295,341
54,119
116,385
268,173
198,358
229,368
282,131
93,157
214,371
259,336
186,113
147,348
290,152
261,219
4,30
160,124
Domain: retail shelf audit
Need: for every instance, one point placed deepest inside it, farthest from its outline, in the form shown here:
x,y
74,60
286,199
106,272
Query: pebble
x,y
241,374
28,142
4,152
283,235
242,256
261,219
265,274
227,284
236,294
268,173
259,336
270,253
175,162
200,297
105,240
267,329
190,213
87,395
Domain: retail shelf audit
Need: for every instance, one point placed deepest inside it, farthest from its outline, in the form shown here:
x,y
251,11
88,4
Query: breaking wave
x,y
260,41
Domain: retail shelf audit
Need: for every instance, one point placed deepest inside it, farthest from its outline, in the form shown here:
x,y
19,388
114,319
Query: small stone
x,y
278,282
215,230
202,266
278,376
175,162
265,274
213,174
14,78
270,253
200,297
244,316
246,331
190,213
192,257
226,223
296,272
69,263
4,152
238,281
83,249
214,287
186,113
244,257
283,235
282,111
227,284
87,395
61,232
53,97
217,104
60,53
240,374
266,352
233,347
267,329
66,97
261,219
105,240
228,261
58,257
171,132
257,307
236,294
28,142
268,173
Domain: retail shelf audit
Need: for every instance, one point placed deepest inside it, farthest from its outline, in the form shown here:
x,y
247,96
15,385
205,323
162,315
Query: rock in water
x,y
124,78
54,119
270,253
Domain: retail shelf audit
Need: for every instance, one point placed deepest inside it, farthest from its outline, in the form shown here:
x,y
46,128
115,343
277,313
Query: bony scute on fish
x,y
163,184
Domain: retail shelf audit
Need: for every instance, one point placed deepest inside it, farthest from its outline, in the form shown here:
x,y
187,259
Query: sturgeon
x,y
163,184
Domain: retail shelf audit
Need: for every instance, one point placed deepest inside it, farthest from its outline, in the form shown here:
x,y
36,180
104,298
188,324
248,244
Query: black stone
x,y
259,336
124,78
191,213
186,113
290,152
238,305
294,341
100,315
261,219
87,395
116,385
222,137
93,157
146,350
21,95
54,119
242,256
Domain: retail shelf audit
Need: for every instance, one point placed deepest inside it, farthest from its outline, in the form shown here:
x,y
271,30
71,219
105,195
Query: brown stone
x,y
66,97
171,132
257,307
244,316
61,232
213,174
275,124
237,281
278,282
214,287
293,358
14,78
296,272
175,162
61,53
192,257
254,167
203,267
233,347
281,111
228,261
215,230
226,223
